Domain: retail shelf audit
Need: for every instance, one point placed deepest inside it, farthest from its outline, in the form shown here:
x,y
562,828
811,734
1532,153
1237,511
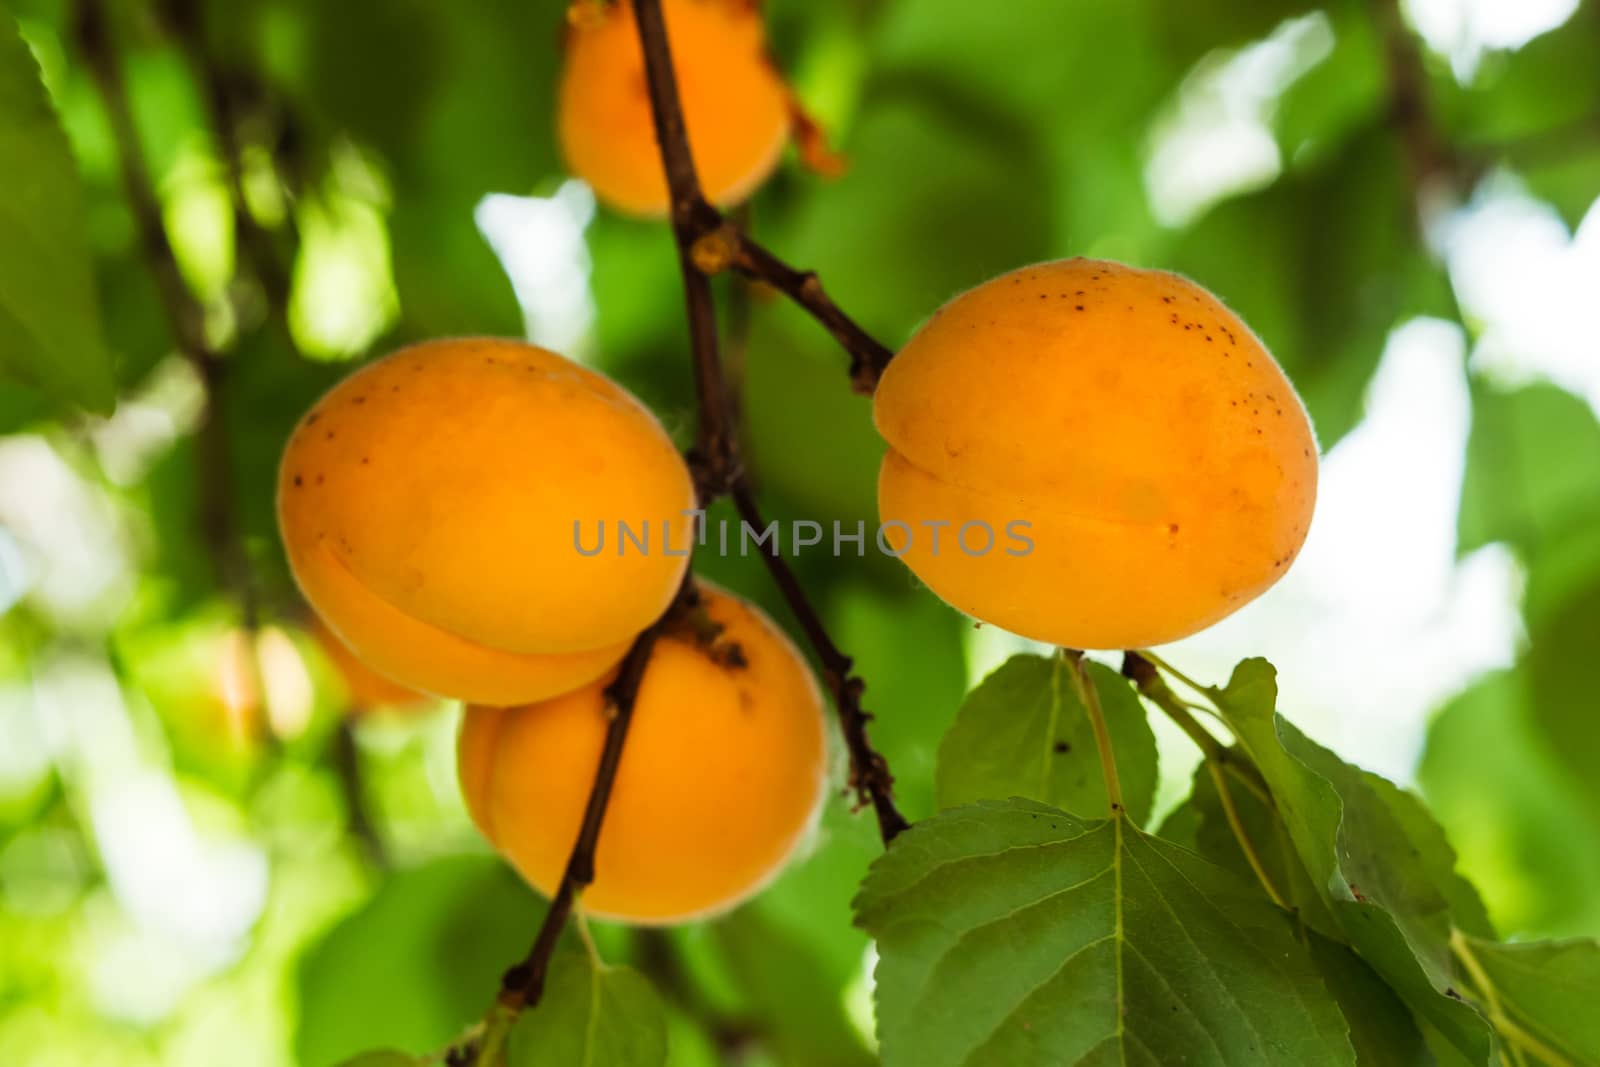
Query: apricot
x,y
720,778
736,106
1161,465
364,688
431,507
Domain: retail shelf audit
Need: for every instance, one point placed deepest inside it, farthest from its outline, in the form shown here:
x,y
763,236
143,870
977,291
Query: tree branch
x,y
868,357
707,242
185,316
1431,159
346,759
710,242
187,21
523,984
869,771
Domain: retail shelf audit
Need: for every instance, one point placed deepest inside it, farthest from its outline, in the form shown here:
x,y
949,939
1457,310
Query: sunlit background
x,y
176,833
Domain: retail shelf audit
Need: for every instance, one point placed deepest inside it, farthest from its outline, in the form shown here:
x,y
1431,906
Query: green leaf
x,y
49,319
417,964
789,987
591,1015
1013,933
1023,732
1533,469
1547,989
383,1059
1381,1026
1527,839
1550,83
1564,630
1383,867
1568,181
1340,95
1205,829
977,178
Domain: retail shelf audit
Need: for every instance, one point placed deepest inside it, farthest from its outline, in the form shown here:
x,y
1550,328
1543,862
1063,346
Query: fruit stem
x,y
1097,719
1140,668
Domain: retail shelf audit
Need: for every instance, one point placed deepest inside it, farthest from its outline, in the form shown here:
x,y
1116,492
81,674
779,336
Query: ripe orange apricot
x,y
1162,463
431,505
720,778
735,103
364,688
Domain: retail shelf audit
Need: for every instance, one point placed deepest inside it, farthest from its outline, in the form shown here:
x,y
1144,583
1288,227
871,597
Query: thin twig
x,y
523,984
353,784
185,316
187,20
869,772
695,224
868,357
709,242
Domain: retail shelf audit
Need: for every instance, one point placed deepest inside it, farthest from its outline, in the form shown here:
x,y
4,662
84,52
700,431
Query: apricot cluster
x,y
1162,464
736,106
430,507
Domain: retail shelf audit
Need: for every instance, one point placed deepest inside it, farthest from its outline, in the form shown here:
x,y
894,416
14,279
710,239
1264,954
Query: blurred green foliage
x,y
305,889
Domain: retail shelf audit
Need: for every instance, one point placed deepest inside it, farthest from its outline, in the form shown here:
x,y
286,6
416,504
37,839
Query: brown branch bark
x,y
1431,159
187,21
703,236
523,984
707,244
710,243
185,316
346,759
869,772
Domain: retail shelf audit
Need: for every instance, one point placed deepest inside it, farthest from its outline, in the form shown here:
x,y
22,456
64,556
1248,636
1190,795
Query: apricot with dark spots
x,y
451,564
1023,422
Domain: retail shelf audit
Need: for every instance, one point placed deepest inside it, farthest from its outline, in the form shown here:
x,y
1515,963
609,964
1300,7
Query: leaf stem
x,y
1146,654
1097,720
486,1051
1237,826
1517,1036
1139,667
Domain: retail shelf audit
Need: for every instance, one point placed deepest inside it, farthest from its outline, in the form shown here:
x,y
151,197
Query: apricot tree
x,y
648,782
1155,450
